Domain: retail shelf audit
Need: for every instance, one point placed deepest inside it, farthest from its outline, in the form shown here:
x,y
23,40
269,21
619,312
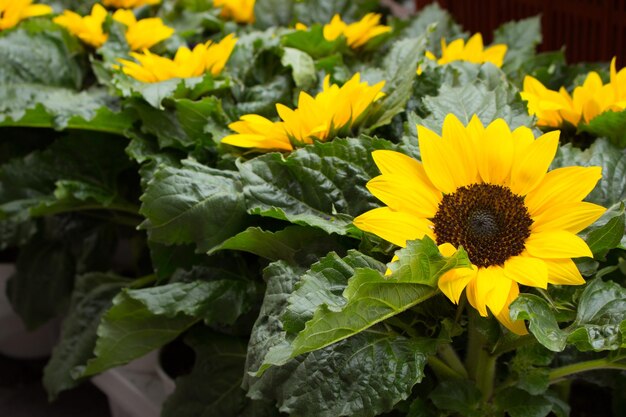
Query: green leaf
x,y
320,185
543,324
269,13
611,125
213,386
313,42
42,53
143,320
182,123
302,67
33,105
46,266
371,297
468,89
91,297
322,11
399,69
521,38
601,317
294,244
193,204
437,22
79,170
361,376
608,236
460,396
518,403
611,189
530,365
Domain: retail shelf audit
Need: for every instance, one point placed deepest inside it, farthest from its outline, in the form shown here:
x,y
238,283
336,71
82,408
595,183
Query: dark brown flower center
x,y
489,221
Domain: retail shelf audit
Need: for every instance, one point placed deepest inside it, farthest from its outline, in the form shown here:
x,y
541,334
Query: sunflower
x,y
332,110
592,98
487,189
205,57
358,33
14,11
474,51
241,11
128,4
140,34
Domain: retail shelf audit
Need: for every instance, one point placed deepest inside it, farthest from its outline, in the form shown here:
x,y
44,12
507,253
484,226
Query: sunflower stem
x,y
558,374
441,370
450,357
479,362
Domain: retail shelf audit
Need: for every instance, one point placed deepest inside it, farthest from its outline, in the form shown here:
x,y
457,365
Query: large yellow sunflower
x,y
487,189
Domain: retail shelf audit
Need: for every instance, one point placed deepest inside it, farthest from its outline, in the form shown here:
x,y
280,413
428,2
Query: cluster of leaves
x,y
135,224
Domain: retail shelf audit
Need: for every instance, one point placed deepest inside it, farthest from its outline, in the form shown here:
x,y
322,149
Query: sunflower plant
x,y
273,190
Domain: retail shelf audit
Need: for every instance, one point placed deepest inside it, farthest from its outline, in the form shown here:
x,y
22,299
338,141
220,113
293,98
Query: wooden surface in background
x,y
591,30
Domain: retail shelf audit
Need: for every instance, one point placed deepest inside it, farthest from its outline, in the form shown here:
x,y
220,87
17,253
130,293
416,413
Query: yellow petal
x,y
435,157
563,272
531,168
556,244
462,155
518,326
571,217
453,282
394,226
405,193
562,185
447,249
527,270
496,153
492,288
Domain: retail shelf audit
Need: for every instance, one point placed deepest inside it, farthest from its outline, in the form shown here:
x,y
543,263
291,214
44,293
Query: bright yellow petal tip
x,y
357,34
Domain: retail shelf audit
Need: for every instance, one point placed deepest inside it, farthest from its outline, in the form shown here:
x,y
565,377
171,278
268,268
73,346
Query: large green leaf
x,y
302,67
47,265
40,52
611,125
372,297
193,204
599,324
143,320
437,22
362,376
294,244
322,11
79,171
611,189
182,123
399,69
521,38
518,403
213,388
321,185
91,297
468,89
269,13
459,395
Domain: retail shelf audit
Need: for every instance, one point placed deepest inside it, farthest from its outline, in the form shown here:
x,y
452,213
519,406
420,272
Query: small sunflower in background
x,y
487,189
129,4
357,34
332,110
554,109
241,11
14,11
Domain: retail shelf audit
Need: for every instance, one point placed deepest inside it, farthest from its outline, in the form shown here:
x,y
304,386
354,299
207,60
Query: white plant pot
x,y
135,389
15,340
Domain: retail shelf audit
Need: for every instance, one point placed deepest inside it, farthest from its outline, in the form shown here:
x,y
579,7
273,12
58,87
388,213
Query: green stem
x,y
450,358
479,362
514,344
441,370
558,374
142,281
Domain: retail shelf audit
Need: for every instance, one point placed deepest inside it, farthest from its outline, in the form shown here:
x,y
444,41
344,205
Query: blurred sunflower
x,y
14,11
592,98
487,190
241,11
129,4
472,51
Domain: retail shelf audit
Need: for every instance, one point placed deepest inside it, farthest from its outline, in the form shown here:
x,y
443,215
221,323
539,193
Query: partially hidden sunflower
x,y
14,11
487,189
